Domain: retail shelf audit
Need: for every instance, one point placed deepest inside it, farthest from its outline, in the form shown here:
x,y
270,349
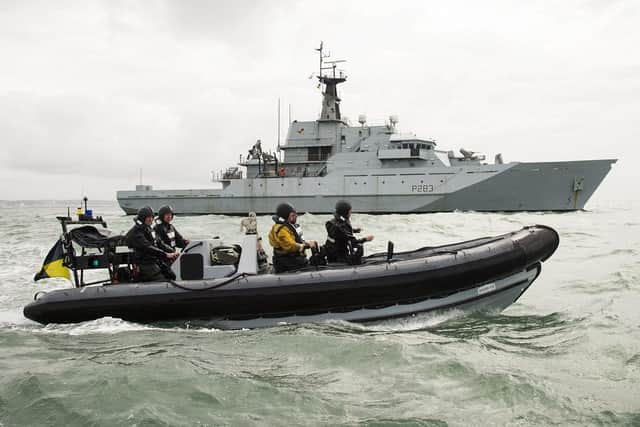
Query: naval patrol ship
x,y
379,170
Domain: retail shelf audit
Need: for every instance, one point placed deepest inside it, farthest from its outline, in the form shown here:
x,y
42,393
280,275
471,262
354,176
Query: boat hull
x,y
506,292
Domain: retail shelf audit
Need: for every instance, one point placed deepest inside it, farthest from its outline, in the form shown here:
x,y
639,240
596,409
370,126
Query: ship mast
x,y
330,99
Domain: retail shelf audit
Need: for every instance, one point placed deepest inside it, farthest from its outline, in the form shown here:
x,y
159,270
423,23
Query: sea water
x,y
567,353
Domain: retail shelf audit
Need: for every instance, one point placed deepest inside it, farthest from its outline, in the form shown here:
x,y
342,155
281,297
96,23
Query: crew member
x,y
342,245
151,260
168,237
287,241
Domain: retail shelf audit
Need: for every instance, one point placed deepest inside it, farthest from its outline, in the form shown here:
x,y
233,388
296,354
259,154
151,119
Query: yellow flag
x,y
53,264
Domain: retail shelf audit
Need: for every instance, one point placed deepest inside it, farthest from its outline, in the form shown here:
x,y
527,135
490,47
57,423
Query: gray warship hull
x,y
545,186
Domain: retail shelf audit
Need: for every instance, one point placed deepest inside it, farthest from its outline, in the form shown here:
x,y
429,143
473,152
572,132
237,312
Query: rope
x,y
214,286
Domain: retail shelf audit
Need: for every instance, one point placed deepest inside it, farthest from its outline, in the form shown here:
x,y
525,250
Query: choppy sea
x,y
567,353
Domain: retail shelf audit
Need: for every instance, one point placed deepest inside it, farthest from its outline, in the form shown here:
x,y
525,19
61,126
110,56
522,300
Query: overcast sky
x,y
92,91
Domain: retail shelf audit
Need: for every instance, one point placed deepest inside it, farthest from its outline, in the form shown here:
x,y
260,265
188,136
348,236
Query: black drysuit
x,y
342,245
150,258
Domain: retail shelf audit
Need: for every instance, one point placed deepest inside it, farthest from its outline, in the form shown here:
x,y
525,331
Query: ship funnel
x,y
362,119
393,119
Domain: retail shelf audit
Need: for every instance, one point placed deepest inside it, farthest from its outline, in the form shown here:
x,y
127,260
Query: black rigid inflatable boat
x,y
483,274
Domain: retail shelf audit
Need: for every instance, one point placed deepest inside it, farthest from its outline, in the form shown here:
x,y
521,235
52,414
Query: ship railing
x,y
227,175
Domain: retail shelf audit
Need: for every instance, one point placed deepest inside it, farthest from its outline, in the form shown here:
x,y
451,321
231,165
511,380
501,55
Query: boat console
x,y
212,259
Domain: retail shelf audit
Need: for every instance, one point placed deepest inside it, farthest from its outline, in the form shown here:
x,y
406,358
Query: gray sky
x,y
92,91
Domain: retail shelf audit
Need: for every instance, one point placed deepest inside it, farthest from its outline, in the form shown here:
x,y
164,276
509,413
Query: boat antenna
x,y
140,176
83,197
278,124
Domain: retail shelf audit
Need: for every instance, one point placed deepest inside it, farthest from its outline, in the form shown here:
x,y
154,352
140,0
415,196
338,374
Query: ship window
x,y
343,139
315,154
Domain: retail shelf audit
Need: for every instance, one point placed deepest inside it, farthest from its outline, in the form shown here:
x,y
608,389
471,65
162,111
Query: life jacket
x,y
167,234
294,230
148,231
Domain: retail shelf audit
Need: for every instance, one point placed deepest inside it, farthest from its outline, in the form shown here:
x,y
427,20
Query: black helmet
x,y
342,208
163,211
145,212
284,209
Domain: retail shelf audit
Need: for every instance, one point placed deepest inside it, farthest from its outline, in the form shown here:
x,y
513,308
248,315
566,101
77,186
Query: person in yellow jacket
x,y
286,238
